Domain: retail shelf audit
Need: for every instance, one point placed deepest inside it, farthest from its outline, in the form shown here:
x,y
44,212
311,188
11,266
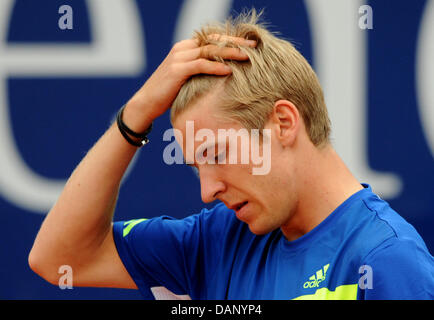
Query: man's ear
x,y
286,120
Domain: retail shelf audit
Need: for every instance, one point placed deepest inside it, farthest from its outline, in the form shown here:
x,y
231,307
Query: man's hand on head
x,y
185,59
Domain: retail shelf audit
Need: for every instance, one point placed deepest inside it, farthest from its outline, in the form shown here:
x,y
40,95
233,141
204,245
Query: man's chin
x,y
259,229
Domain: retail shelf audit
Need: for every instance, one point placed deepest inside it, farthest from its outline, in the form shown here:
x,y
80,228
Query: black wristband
x,y
125,131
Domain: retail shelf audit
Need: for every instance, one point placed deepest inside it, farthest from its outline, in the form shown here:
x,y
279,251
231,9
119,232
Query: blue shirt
x,y
362,250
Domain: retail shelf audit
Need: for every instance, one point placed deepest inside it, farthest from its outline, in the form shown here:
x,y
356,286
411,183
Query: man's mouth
x,y
237,207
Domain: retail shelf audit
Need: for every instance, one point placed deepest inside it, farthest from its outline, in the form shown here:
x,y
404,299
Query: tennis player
x,y
307,229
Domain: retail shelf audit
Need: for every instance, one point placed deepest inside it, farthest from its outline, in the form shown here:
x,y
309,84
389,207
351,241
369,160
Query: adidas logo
x,y
317,278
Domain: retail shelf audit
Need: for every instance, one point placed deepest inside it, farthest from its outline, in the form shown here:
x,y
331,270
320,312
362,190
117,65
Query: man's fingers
x,y
208,67
211,52
237,40
193,59
187,50
193,43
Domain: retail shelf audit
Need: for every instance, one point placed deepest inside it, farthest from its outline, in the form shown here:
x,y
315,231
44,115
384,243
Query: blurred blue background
x,y
60,89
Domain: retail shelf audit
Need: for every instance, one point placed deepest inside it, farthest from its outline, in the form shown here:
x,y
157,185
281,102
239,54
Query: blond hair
x,y
275,70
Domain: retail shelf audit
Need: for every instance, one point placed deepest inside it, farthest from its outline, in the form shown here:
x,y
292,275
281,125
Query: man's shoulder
x,y
392,222
370,224
402,266
385,229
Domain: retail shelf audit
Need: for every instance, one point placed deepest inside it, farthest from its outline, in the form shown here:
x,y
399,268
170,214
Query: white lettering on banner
x,y
117,50
339,49
425,73
194,13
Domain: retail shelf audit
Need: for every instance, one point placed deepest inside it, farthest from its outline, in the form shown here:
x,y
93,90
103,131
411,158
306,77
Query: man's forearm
x,y
81,218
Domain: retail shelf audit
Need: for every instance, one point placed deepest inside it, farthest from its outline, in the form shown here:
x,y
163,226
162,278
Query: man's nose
x,y
210,185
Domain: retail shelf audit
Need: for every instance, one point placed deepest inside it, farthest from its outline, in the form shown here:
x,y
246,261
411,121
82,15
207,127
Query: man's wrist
x,y
130,135
137,116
